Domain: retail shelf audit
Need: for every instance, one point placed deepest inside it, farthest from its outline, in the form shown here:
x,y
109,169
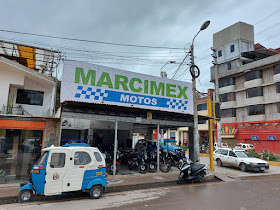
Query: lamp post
x,y
195,74
163,73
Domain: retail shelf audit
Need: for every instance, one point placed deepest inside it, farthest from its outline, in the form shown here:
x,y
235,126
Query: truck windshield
x,y
42,159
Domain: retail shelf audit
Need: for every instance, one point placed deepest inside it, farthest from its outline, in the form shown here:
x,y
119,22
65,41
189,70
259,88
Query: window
x,y
172,135
226,82
57,160
231,48
227,97
220,53
224,152
218,151
278,87
277,69
30,97
81,158
229,65
278,107
232,154
202,122
253,75
228,113
201,107
256,109
42,159
97,156
254,92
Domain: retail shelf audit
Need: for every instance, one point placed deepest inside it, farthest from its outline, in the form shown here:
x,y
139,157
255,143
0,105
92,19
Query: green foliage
x,y
266,155
251,153
272,157
185,148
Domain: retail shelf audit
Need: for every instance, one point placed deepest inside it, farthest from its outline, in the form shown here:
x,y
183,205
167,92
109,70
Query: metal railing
x,y
15,111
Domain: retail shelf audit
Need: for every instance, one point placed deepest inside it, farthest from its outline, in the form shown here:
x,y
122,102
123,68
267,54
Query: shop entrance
x,y
19,151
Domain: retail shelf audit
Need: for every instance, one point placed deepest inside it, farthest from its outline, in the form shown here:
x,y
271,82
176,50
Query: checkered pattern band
x,y
177,104
96,94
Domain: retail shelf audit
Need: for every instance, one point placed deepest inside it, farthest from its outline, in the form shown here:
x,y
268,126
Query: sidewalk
x,y
136,181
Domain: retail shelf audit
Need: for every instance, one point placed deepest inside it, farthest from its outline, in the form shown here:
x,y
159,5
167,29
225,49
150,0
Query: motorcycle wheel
x,y
110,168
201,176
130,167
152,167
180,178
142,168
165,167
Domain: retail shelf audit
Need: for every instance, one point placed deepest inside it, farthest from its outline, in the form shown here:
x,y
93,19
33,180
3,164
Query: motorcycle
x,y
110,165
191,172
165,162
176,157
139,160
152,162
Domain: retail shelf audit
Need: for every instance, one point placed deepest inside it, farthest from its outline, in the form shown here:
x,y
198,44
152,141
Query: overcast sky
x,y
163,23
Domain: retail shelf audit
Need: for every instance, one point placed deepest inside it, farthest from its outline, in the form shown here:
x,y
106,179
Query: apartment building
x,y
27,108
181,134
249,88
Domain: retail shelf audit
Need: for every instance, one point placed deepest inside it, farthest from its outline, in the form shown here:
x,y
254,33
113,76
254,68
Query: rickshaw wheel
x,y
25,196
96,192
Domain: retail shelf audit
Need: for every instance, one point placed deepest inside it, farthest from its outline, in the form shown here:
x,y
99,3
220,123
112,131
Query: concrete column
x,y
191,144
158,139
115,147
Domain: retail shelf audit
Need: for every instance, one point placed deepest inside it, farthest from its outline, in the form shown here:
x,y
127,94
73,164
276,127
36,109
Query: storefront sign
x,y
84,82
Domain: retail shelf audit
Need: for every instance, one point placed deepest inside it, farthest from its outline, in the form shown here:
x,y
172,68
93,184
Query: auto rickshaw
x,y
71,167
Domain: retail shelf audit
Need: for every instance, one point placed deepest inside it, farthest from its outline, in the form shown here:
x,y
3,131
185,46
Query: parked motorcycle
x,y
138,159
152,162
109,163
191,172
165,162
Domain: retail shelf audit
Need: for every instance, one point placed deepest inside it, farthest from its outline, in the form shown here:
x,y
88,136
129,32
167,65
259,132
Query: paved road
x,y
241,195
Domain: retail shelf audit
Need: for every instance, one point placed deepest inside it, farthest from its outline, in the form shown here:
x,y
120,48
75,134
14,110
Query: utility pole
x,y
195,114
195,74
218,123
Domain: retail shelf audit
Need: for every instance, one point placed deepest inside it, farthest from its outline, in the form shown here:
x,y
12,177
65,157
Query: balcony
x,y
253,83
227,89
15,111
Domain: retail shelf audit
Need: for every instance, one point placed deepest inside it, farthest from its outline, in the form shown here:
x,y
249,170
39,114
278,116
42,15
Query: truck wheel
x,y
96,192
219,162
25,196
243,167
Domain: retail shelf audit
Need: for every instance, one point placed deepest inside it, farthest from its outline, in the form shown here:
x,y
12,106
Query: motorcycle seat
x,y
197,167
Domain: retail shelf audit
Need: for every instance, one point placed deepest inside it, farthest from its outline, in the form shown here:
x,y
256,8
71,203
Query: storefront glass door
x,y
19,150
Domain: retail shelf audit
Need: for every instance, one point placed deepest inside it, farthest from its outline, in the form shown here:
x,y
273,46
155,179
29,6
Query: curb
x,y
111,189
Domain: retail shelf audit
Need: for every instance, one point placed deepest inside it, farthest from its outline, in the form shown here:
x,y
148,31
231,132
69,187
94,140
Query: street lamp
x,y
163,73
195,73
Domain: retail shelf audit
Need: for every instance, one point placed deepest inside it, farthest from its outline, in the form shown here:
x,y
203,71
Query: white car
x,y
245,147
238,158
223,145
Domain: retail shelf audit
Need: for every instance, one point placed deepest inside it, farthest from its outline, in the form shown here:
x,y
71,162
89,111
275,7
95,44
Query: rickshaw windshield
x,y
42,159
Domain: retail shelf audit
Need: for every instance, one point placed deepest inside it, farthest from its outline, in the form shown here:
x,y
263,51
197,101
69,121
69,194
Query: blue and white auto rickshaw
x,y
72,167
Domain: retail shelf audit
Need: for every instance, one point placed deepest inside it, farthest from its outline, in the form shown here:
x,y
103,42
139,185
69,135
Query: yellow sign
x,y
99,173
149,115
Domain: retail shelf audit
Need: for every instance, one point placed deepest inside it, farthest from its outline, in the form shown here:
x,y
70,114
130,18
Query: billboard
x,y
90,83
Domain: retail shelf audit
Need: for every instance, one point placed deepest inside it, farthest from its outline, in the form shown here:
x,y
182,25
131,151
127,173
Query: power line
x,y
90,41
267,29
267,17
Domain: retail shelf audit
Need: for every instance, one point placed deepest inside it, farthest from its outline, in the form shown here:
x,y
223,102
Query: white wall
x,y
13,78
